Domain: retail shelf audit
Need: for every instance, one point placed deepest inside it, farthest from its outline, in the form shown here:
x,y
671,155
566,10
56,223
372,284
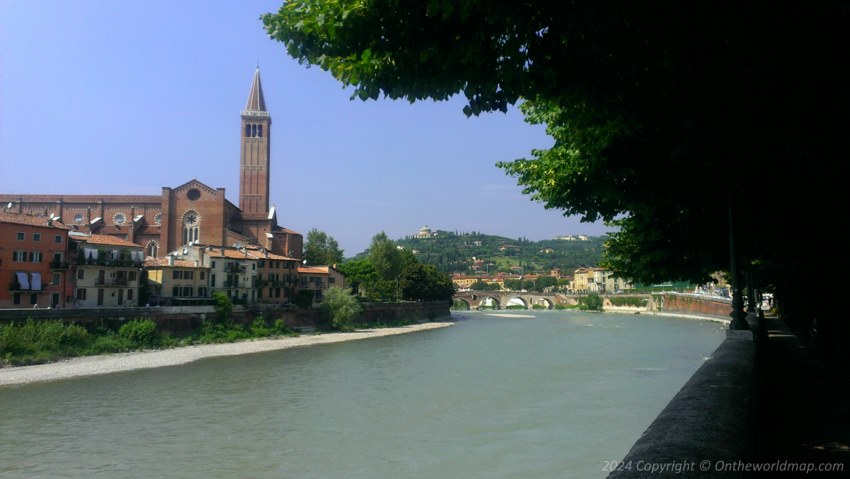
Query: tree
x,y
426,283
545,282
631,96
591,302
223,309
341,307
385,257
359,275
321,249
513,284
670,120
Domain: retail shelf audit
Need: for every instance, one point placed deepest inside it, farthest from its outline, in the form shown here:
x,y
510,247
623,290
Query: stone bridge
x,y
501,299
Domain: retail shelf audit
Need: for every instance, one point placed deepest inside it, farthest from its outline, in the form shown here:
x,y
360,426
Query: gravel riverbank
x,y
111,363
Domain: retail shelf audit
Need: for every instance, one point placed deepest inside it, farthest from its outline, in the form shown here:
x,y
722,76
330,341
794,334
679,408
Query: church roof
x,y
256,101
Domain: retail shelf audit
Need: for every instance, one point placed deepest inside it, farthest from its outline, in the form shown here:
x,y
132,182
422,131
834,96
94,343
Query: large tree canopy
x,y
321,249
663,113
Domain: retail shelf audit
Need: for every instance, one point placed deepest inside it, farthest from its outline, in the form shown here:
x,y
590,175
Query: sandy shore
x,y
111,363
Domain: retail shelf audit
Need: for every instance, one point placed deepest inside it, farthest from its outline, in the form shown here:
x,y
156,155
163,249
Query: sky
x,y
125,97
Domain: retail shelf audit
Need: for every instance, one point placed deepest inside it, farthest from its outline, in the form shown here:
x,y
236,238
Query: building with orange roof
x,y
177,281
317,279
107,270
33,262
277,277
191,213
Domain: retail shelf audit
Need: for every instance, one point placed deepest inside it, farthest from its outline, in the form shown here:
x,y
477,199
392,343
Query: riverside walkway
x,y
804,412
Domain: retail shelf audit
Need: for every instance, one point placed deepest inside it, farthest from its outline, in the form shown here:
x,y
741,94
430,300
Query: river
x,y
550,395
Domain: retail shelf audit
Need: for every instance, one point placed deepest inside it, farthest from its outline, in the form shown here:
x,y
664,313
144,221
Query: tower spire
x,y
256,101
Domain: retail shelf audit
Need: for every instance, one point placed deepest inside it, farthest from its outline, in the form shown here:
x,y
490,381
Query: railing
x,y
111,262
234,268
111,282
59,265
16,287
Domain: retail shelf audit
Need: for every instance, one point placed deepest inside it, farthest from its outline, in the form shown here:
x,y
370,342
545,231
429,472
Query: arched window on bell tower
x,y
260,131
247,130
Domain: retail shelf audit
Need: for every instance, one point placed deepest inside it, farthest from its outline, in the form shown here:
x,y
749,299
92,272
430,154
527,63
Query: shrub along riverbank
x,y
41,341
36,342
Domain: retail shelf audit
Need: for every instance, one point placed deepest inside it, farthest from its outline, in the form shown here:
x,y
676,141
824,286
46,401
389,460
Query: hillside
x,y
474,253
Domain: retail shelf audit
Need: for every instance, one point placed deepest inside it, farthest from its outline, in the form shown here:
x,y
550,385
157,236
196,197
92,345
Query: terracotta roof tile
x,y
107,240
29,220
313,269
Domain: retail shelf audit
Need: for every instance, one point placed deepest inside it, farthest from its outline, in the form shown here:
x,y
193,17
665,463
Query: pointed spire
x,y
256,101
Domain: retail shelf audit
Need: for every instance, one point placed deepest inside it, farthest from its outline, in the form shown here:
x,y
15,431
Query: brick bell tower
x,y
254,169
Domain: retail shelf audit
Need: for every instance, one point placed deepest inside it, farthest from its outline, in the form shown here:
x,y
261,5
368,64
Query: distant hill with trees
x,y
475,253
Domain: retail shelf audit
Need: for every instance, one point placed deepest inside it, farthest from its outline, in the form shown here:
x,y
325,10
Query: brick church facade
x,y
191,213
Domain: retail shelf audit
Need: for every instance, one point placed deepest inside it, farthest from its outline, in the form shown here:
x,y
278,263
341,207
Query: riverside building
x,y
190,213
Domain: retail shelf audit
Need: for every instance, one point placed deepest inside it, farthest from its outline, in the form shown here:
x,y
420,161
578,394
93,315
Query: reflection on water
x,y
549,396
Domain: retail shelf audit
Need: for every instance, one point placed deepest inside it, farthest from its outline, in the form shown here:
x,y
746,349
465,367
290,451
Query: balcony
x,y
117,282
233,268
59,265
15,287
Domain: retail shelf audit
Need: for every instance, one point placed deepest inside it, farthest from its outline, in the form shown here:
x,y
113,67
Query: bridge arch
x,y
516,301
490,302
545,302
462,304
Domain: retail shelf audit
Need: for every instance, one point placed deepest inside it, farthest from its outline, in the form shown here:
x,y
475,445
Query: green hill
x,y
475,253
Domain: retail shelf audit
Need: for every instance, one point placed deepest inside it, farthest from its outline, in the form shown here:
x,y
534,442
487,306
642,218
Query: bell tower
x,y
254,166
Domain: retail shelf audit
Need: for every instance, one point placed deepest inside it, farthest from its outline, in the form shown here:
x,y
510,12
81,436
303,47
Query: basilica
x,y
191,213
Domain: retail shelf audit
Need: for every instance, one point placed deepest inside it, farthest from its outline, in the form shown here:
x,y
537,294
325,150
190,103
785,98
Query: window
x,y
56,278
131,276
187,291
19,256
188,275
16,298
81,274
33,298
253,266
193,194
212,281
202,292
57,239
36,236
175,291
191,225
20,235
203,275
78,218
129,295
57,258
35,256
175,274
81,294
331,280
263,263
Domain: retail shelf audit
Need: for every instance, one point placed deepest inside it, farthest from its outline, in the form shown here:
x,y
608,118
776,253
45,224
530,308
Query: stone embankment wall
x,y
185,318
692,304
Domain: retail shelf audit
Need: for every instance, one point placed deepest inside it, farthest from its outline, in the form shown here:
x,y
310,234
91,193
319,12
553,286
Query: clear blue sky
x,y
125,97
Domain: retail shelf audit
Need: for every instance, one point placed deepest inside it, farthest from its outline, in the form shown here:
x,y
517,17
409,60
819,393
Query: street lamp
x,y
738,314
